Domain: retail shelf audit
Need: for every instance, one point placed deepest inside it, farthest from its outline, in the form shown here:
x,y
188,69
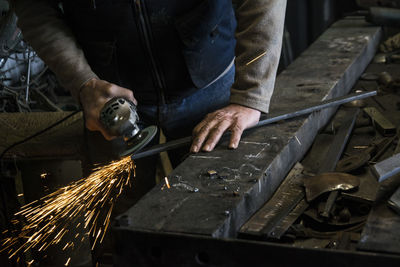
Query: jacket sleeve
x,y
45,30
259,39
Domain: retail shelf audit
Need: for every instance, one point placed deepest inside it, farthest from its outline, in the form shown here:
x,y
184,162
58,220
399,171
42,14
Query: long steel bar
x,y
339,142
28,78
275,118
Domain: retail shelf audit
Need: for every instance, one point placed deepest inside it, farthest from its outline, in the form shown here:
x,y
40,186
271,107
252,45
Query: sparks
x,y
167,182
297,139
46,222
256,58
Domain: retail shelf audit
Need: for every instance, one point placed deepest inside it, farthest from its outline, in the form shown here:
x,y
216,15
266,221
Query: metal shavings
x,y
212,173
45,222
67,263
256,58
297,139
167,183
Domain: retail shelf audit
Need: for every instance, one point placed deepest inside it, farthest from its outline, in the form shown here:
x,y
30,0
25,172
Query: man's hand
x,y
93,95
235,118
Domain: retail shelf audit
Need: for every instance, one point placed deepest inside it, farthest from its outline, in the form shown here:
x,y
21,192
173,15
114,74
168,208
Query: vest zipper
x,y
145,32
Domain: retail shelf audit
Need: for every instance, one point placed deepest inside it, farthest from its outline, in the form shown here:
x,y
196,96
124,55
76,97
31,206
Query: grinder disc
x,y
140,140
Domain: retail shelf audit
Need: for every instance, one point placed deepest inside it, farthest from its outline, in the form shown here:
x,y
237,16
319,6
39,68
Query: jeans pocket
x,y
199,25
207,36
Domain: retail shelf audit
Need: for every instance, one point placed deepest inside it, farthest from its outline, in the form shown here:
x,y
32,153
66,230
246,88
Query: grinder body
x,y
119,117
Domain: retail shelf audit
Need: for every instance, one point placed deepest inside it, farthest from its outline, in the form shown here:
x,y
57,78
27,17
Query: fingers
x,y
235,118
214,135
237,132
105,134
123,92
129,96
94,125
209,132
94,96
200,134
111,90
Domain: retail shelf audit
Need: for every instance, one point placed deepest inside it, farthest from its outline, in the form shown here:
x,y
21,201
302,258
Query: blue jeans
x,y
178,119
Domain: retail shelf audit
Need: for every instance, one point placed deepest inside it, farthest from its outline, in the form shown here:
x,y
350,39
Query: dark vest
x,y
161,49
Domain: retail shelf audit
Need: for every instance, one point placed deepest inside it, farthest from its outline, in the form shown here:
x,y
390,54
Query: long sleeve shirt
x,y
258,34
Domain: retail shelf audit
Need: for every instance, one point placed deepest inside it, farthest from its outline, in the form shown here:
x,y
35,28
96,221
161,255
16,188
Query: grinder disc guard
x,y
140,140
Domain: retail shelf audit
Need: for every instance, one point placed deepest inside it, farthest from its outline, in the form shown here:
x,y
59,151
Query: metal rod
x,y
339,142
28,78
275,118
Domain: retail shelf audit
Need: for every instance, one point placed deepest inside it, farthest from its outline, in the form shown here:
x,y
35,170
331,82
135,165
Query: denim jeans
x,y
178,119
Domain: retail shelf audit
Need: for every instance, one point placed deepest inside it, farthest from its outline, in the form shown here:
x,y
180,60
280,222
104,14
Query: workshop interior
x,y
315,183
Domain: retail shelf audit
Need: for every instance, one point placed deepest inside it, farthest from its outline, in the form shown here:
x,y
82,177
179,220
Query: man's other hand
x,y
234,118
93,95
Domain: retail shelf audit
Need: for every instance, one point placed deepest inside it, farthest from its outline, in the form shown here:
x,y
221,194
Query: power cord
x,y
38,133
2,192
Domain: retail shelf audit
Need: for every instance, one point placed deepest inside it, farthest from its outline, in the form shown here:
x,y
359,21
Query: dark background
x,y
308,19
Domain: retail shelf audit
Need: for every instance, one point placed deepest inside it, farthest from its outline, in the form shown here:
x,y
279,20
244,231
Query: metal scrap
x,y
387,168
369,76
25,83
391,44
339,221
394,201
381,232
397,150
385,78
382,124
185,187
335,151
327,182
366,192
212,174
339,142
269,221
356,161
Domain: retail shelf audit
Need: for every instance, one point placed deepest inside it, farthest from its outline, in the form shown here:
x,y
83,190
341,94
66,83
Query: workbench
x,y
197,220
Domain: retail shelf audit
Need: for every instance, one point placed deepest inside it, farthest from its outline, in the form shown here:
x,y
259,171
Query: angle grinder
x,y
119,116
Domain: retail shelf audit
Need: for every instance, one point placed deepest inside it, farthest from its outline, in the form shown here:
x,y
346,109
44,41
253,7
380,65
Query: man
x,y
175,59
179,60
